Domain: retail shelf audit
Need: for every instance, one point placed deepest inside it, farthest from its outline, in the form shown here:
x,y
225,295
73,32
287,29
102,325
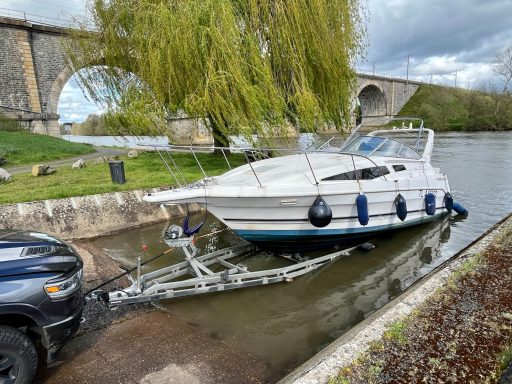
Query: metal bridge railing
x,y
36,19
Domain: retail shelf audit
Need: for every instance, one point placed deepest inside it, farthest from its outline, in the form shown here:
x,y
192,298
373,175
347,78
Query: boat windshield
x,y
380,146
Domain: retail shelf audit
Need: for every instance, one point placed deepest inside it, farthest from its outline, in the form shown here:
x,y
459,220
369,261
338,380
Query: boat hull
x,y
268,223
271,210
314,239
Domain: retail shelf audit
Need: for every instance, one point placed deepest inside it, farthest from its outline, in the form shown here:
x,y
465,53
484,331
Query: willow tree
x,y
249,66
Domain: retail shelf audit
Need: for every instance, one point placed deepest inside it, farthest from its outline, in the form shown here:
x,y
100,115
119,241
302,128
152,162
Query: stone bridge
x,y
33,72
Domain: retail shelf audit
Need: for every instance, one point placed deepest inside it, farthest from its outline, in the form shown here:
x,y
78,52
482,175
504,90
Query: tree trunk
x,y
497,119
219,139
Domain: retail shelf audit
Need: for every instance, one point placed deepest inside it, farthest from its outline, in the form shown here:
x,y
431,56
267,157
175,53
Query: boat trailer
x,y
171,282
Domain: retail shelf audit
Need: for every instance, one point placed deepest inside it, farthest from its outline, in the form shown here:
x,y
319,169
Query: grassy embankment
x,y
454,109
145,171
21,147
461,334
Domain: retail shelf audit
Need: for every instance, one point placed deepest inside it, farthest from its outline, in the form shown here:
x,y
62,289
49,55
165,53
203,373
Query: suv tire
x,y
18,357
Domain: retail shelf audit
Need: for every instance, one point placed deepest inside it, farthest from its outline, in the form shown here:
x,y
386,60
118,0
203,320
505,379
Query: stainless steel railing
x,y
179,177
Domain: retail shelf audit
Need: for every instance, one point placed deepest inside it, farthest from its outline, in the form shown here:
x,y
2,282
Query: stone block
x,y
101,160
5,176
133,153
42,170
79,164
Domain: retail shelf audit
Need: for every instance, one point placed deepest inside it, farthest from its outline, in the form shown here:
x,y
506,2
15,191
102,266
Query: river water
x,y
118,141
285,324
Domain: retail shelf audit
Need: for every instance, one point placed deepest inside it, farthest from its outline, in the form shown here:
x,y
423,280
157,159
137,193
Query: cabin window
x,y
362,174
399,167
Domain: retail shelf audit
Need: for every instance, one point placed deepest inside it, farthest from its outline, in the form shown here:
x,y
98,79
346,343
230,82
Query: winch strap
x,y
127,272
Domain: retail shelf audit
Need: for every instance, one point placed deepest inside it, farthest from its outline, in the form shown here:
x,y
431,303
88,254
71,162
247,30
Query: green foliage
x,y
25,148
145,171
396,332
9,124
93,125
504,239
250,66
339,380
454,109
504,359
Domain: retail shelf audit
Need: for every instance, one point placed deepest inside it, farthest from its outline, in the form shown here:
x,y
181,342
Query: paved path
x,y
100,151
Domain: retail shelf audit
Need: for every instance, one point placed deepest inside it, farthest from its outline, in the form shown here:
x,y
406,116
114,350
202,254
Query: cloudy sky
x,y
446,40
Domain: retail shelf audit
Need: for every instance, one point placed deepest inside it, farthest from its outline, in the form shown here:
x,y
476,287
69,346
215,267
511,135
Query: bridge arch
x,y
372,99
57,87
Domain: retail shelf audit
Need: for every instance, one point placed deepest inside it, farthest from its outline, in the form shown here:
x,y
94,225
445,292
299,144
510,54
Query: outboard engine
x,y
430,204
173,232
401,207
320,214
448,201
362,209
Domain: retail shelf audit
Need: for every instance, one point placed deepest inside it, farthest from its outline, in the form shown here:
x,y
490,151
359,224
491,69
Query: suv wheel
x,y
18,357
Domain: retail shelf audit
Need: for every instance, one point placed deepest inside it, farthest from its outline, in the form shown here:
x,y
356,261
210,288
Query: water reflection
x,y
285,324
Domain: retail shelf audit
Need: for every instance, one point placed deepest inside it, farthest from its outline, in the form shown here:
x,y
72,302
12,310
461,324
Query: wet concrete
x,y
88,216
139,344
153,347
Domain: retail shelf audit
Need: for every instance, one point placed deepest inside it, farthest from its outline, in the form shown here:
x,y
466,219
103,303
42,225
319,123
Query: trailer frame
x,y
168,282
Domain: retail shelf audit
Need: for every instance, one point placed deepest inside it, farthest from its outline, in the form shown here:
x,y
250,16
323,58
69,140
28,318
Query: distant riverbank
x,y
457,109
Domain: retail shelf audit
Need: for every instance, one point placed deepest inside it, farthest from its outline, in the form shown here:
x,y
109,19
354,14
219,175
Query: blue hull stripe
x,y
276,235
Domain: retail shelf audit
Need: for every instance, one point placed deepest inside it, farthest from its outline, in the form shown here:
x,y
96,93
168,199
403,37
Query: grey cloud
x,y
442,36
436,27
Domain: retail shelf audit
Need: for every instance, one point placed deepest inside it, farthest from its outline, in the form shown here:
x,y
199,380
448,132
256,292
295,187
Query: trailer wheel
x,y
18,357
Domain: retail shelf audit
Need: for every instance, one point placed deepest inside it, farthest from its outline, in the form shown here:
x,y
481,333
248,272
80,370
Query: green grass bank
x,y
144,171
21,147
457,109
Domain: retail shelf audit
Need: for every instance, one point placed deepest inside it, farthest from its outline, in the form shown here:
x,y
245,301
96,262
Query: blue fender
x,y
401,207
448,201
320,214
430,204
460,209
362,209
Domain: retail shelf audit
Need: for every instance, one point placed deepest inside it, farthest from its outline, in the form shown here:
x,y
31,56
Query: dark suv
x,y
41,300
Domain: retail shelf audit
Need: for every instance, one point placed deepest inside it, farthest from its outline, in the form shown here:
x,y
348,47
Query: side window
x,y
383,170
399,167
342,176
362,174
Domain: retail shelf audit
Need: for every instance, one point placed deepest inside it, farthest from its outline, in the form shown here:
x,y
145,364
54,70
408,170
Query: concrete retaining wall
x,y
87,216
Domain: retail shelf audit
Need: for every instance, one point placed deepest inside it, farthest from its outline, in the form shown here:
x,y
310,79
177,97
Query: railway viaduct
x,y
33,72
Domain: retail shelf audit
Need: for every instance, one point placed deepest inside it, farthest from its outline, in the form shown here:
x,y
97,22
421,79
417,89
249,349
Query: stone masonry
x,y
31,62
33,72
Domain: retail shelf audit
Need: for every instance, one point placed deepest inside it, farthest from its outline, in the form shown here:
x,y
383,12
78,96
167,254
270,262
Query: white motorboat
x,y
373,183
